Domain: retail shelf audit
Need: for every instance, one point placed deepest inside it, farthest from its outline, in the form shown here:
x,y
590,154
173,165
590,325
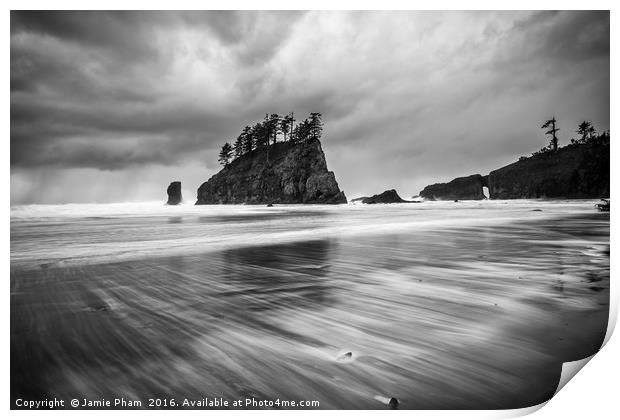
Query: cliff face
x,y
463,188
284,173
578,171
174,193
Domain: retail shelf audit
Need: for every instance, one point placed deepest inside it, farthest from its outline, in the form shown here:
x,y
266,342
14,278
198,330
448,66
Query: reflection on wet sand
x,y
452,317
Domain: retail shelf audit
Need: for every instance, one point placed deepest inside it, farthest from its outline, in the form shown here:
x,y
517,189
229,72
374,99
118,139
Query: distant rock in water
x,y
284,173
575,171
174,193
463,188
389,196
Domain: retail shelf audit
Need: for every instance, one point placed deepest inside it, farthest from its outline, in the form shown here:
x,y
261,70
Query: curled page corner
x,y
570,369
519,412
613,317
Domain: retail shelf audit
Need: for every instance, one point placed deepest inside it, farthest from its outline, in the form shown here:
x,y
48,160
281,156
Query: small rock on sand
x,y
345,357
392,402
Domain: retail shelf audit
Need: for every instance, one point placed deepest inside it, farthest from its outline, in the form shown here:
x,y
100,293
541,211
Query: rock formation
x,y
174,193
284,173
576,171
573,171
389,196
463,188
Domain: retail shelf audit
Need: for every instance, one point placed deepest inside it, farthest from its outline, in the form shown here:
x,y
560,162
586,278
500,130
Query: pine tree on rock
x,y
286,126
238,146
551,124
225,154
316,125
274,127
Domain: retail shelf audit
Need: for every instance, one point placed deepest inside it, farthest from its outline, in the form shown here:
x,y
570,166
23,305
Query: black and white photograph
x,y
306,209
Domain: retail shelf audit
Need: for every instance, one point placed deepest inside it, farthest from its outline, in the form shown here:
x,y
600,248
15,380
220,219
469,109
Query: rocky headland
x,y
574,171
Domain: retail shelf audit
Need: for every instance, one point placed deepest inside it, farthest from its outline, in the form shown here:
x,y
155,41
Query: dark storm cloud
x,y
566,36
109,76
131,31
408,97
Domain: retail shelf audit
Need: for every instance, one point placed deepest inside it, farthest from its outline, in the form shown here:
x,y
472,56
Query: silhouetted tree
x,y
294,134
238,146
584,129
303,130
266,132
261,134
274,127
315,125
286,125
225,154
551,125
591,131
247,139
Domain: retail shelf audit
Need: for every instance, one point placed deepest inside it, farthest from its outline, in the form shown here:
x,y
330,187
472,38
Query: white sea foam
x,y
84,233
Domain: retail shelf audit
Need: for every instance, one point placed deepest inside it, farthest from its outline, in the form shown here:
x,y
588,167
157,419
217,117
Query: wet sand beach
x,y
477,315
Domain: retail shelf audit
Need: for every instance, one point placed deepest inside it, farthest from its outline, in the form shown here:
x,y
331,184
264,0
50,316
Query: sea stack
x,y
174,193
386,197
281,173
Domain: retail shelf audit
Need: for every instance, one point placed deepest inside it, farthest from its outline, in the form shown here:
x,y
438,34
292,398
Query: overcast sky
x,y
109,107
